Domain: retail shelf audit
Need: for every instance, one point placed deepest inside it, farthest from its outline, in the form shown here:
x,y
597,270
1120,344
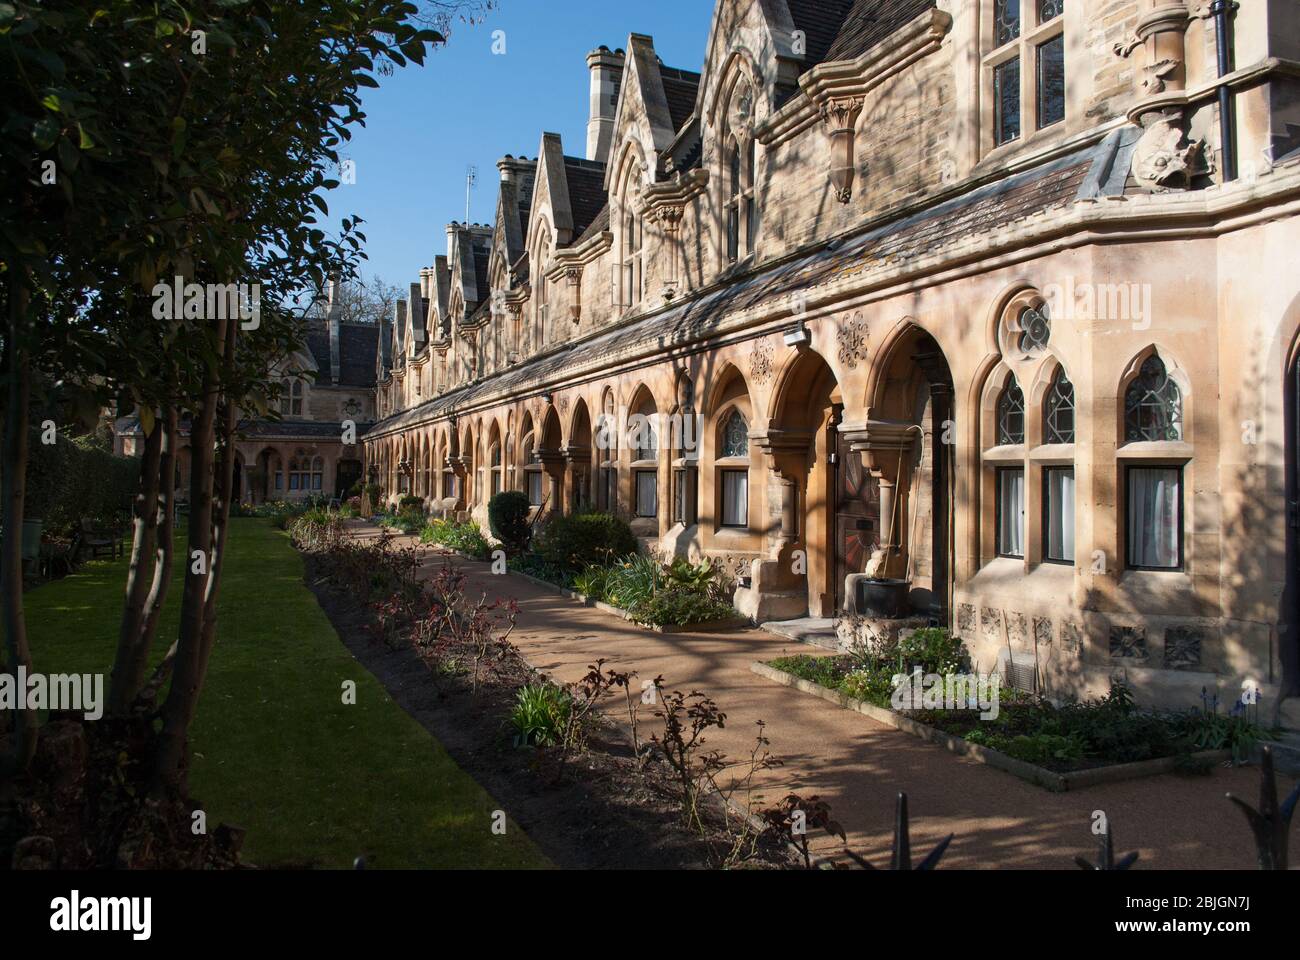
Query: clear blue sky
x,y
467,105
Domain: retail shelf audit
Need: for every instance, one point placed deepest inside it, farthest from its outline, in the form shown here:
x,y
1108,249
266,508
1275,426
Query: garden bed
x,y
704,626
1055,780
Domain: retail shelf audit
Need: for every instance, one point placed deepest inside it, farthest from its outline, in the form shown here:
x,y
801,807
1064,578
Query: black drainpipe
x,y
1222,10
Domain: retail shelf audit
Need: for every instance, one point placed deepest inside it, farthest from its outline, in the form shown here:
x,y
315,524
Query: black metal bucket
x,y
883,598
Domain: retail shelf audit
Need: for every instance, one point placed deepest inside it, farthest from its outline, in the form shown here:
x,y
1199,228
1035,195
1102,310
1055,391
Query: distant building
x,y
328,383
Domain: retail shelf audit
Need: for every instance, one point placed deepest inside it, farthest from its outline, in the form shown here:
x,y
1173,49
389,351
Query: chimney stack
x,y
606,75
334,319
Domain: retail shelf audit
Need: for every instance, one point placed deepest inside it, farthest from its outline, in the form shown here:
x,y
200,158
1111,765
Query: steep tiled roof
x,y
680,89
358,343
586,180
600,224
482,280
974,213
844,29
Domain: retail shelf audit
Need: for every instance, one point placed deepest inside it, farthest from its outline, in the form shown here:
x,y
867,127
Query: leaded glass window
x,y
1006,20
1050,10
1051,81
735,436
1153,405
1060,410
1006,100
1035,329
1011,414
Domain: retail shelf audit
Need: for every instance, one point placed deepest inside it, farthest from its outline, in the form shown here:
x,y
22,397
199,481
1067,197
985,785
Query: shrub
x,y
409,502
633,582
933,649
592,582
676,606
703,578
465,537
576,541
508,518
541,714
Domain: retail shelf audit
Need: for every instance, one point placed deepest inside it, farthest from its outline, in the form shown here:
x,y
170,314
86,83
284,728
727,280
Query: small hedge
x,y
508,518
579,540
75,478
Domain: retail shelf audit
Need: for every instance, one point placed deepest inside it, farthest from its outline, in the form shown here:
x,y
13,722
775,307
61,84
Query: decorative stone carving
x,y
1071,639
991,621
1017,627
966,619
760,362
1166,158
564,403
840,117
1043,631
1128,643
1183,648
852,338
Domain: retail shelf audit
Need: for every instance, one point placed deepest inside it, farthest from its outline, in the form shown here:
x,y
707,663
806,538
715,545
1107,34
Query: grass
x,y
275,750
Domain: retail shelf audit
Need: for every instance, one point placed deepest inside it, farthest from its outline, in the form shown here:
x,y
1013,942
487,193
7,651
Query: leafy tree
x,y
157,142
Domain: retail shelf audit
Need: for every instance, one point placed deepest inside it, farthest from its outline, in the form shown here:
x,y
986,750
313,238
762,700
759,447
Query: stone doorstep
x,y
707,626
1040,776
815,630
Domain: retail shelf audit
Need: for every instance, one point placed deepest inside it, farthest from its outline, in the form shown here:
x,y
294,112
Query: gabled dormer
x,y
653,141
568,199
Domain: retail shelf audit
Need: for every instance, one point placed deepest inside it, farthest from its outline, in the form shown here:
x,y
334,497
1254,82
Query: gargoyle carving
x,y
1166,158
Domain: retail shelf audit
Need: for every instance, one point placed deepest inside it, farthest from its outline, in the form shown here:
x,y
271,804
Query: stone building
x,y
302,453
994,297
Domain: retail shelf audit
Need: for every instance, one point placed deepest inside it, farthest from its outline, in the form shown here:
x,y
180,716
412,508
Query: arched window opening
x,y
1059,413
1011,414
1153,405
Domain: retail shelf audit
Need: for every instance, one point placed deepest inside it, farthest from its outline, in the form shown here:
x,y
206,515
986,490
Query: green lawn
x,y
276,751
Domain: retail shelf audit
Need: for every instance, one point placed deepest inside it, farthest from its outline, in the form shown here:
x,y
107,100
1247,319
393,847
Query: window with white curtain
x,y
1011,511
735,498
647,493
1155,518
535,488
1058,514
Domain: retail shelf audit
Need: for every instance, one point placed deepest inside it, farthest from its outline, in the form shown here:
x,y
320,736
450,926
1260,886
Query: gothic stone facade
x,y
988,296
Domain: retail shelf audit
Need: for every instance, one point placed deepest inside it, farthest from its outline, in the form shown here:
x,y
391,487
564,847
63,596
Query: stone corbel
x,y
1165,158
573,276
839,117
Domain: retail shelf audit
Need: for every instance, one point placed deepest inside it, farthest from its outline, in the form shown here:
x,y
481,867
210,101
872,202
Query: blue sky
x,y
467,105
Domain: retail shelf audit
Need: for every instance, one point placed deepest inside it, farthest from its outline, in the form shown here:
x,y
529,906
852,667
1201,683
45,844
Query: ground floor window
x,y
609,487
1058,514
647,493
535,487
1011,511
735,498
1154,521
684,485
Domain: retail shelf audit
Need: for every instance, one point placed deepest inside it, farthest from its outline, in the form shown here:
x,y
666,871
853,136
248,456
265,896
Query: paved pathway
x,y
859,765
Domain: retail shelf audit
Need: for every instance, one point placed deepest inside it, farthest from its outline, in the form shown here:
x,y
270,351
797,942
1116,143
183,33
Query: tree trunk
x,y
128,666
190,662
13,490
162,570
